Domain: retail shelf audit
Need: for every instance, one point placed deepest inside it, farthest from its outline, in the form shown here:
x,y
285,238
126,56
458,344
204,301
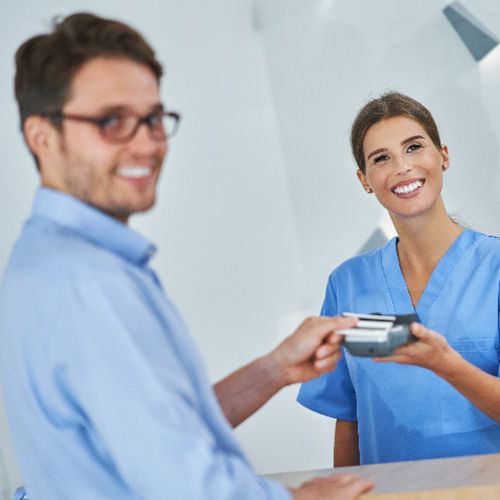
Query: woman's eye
x,y
413,147
381,158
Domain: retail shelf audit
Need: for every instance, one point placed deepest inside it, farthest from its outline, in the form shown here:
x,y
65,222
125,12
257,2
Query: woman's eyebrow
x,y
383,150
412,138
376,152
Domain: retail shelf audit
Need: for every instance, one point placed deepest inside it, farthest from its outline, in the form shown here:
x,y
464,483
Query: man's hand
x,y
313,349
431,351
335,487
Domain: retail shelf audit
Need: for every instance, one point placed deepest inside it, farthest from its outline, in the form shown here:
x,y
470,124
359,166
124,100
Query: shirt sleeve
x,y
499,328
122,385
333,393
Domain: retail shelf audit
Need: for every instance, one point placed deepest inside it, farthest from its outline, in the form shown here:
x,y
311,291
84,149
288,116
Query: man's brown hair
x,y
47,63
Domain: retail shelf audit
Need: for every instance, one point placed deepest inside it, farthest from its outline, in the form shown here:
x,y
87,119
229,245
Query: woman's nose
x,y
403,167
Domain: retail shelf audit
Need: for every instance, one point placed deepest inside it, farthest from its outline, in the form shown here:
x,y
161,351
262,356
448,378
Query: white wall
x,y
259,200
326,58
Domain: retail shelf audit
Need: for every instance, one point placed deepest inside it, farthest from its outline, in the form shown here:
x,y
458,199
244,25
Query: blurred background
x,y
259,201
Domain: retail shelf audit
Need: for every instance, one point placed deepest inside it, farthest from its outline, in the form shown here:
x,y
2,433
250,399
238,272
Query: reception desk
x,y
463,478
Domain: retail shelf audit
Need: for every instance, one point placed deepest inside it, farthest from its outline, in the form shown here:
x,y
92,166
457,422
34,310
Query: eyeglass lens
x,y
160,126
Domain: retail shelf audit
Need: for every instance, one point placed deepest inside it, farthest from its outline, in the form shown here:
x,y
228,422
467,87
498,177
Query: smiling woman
x,y
399,169
449,276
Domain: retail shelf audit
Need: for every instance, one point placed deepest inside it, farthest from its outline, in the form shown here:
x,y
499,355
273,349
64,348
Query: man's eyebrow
x,y
123,109
113,109
406,141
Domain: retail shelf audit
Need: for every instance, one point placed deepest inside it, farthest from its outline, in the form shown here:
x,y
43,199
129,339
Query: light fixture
x,y
476,37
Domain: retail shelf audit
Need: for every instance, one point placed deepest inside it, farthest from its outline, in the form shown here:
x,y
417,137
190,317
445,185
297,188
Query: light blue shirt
x,y
408,412
106,395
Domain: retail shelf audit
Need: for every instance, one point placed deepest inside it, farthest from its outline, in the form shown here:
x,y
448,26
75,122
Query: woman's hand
x,y
430,351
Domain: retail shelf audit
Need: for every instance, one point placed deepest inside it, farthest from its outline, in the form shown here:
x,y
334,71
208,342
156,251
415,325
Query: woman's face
x,y
403,166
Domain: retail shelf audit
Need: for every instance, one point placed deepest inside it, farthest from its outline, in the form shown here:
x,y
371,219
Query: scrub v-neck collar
x,y
398,289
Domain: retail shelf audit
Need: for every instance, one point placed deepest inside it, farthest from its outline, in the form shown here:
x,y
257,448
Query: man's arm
x,y
346,446
313,349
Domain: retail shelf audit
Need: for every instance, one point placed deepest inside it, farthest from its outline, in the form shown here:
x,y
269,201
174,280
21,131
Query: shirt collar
x,y
93,224
441,273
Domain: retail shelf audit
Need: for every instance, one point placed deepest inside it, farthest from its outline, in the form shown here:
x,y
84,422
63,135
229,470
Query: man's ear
x,y
38,133
363,181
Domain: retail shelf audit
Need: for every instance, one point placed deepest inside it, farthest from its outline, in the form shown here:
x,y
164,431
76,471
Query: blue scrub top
x,y
407,412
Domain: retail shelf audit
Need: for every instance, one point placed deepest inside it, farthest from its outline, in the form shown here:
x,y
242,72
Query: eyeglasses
x,y
122,127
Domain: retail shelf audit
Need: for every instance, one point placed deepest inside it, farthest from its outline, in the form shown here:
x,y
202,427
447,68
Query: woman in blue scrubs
x,y
440,396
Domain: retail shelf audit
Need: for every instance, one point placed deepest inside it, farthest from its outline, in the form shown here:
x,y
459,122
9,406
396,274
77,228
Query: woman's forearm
x,y
346,445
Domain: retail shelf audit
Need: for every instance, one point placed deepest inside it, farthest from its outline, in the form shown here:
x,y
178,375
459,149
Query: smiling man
x,y
110,99
106,395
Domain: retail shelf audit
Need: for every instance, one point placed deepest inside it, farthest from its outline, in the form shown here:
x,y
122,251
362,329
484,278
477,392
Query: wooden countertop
x,y
460,478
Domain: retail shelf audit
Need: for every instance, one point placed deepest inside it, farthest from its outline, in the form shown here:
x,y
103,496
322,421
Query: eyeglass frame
x,y
98,121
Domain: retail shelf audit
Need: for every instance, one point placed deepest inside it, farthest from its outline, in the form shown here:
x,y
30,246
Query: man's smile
x,y
134,172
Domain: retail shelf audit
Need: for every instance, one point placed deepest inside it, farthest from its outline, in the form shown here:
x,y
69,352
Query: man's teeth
x,y
408,188
134,171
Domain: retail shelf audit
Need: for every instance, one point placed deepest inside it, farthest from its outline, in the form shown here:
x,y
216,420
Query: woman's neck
x,y
423,240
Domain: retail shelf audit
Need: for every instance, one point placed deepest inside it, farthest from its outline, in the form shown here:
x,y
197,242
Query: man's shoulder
x,y
54,255
64,280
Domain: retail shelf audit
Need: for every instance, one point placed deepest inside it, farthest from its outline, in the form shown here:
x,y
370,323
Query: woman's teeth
x,y
408,188
134,172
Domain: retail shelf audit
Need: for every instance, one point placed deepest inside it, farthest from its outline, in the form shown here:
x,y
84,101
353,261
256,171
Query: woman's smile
x,y
409,188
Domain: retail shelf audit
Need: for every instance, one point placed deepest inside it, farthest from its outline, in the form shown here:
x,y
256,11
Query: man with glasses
x,y
106,395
